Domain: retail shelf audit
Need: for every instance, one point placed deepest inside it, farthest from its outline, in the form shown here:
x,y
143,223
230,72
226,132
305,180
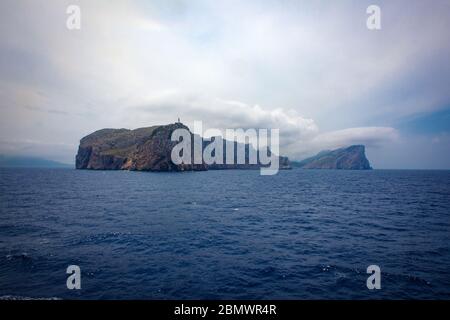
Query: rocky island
x,y
146,149
350,158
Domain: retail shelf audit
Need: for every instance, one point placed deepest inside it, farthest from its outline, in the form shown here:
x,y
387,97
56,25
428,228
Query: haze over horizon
x,y
311,69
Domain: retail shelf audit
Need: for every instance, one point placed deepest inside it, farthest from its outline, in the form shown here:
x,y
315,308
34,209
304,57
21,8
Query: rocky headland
x,y
350,158
146,149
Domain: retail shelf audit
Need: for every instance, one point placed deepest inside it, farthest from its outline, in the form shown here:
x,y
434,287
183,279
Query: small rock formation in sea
x,y
351,158
146,149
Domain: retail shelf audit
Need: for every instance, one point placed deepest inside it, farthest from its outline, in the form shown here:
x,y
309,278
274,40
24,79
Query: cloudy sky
x,y
310,68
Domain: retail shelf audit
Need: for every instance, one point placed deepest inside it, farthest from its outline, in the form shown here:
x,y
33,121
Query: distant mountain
x,y
29,162
351,158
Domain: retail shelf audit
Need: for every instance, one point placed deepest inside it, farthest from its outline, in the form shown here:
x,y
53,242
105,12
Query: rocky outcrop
x,y
146,149
351,158
122,149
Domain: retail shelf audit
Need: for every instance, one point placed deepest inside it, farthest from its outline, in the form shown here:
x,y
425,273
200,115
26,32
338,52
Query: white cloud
x,y
299,136
220,113
370,136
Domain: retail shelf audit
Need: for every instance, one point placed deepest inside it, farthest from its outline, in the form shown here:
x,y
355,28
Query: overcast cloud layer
x,y
310,68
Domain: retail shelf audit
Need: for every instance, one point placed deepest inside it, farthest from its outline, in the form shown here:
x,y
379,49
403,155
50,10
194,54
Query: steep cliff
x,y
123,149
146,149
351,158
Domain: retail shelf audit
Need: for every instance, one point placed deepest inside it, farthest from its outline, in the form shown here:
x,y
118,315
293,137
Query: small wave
x,y
11,297
19,256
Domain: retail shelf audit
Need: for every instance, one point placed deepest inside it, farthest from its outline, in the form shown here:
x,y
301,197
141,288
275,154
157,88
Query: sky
x,y
309,68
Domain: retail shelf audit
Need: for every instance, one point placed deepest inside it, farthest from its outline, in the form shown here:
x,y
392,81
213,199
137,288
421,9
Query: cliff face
x,y
351,158
122,149
146,149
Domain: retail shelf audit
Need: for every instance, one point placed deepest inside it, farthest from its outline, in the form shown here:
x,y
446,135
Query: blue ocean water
x,y
302,234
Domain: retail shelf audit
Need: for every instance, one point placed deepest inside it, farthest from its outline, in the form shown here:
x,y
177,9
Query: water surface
x,y
302,234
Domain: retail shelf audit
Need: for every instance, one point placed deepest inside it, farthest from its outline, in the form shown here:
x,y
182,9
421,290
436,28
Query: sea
x,y
234,234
